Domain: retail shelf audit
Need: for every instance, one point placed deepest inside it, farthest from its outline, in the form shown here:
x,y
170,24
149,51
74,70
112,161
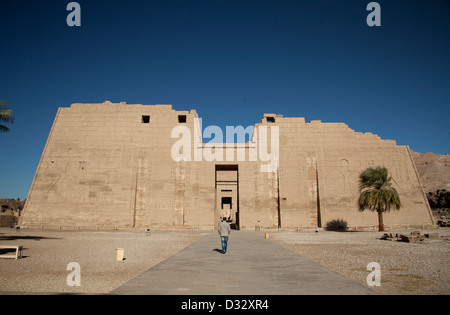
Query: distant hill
x,y
434,172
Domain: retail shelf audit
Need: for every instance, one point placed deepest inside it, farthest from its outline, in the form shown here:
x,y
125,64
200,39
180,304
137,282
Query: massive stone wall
x,y
321,163
112,166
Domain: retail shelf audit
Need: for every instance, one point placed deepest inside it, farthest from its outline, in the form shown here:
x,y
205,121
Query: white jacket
x,y
224,228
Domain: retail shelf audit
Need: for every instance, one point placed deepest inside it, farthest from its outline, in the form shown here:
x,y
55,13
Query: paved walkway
x,y
252,266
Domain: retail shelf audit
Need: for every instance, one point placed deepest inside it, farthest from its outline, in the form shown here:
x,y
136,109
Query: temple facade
x,y
133,167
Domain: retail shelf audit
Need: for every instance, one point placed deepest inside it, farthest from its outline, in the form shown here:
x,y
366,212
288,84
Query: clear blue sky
x,y
230,60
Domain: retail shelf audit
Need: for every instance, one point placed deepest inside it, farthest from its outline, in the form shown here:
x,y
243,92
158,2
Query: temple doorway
x,y
227,195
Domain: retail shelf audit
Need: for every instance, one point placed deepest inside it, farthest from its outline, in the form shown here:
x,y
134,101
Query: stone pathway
x,y
252,266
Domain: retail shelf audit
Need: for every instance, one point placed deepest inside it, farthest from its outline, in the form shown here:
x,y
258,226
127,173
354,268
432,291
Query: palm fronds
x,y
377,193
5,116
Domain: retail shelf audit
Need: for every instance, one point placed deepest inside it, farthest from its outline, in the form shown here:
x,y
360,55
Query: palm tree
x,y
377,193
5,115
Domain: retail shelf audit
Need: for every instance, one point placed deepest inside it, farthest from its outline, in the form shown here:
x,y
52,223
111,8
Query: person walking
x,y
224,232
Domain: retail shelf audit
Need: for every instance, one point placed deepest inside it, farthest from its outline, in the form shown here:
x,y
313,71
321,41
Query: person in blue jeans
x,y
224,232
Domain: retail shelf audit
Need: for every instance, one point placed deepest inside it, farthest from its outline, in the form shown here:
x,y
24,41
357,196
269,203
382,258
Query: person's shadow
x,y
217,250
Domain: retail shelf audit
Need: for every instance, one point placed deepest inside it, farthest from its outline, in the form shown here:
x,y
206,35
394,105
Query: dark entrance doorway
x,y
227,194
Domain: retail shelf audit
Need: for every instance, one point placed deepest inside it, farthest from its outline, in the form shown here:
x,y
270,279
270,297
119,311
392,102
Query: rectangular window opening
x,y
182,119
227,201
145,119
270,119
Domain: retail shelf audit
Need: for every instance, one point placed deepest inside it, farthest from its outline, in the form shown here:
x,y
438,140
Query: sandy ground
x,y
47,254
406,268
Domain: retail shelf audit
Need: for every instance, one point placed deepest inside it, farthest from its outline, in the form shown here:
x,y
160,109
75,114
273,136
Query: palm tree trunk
x,y
380,221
